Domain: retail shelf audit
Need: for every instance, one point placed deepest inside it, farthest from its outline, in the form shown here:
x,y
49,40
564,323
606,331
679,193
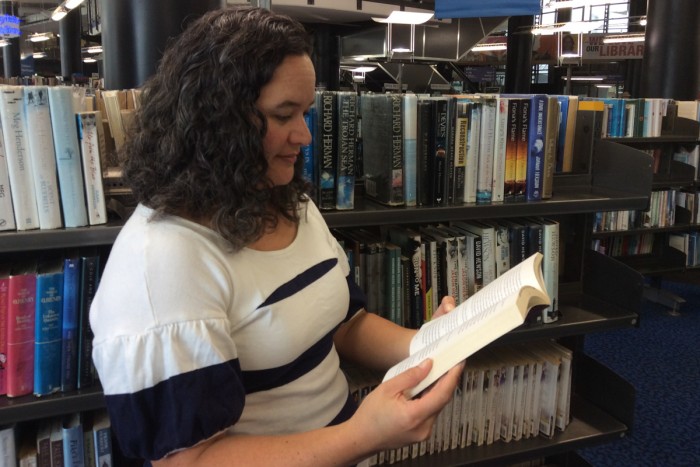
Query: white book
x,y
499,149
551,365
497,309
68,163
92,169
487,141
43,155
472,164
7,211
410,141
488,246
550,268
8,455
19,164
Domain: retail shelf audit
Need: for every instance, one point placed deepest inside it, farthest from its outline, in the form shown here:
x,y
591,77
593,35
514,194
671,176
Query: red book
x,y
20,332
4,286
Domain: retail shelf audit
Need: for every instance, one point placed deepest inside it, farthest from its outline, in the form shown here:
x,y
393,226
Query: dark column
x,y
519,54
325,57
632,69
671,64
11,60
135,33
69,43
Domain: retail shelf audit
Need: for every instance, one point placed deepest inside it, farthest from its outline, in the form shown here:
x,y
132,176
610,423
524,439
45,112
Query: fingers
x,y
409,378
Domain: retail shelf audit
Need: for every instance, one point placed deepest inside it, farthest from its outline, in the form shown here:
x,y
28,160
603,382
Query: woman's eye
x,y
283,118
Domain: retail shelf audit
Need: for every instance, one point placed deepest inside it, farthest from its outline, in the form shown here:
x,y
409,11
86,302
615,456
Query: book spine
x,y
42,154
439,152
563,110
89,280
20,334
4,304
48,333
461,129
397,157
511,150
523,147
73,450
550,270
346,142
103,445
473,144
537,124
71,317
487,141
307,151
7,211
410,142
499,150
19,164
328,123
92,170
423,180
550,147
70,177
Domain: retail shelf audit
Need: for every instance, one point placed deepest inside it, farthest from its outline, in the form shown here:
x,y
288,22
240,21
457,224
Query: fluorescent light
x,y
584,78
405,17
70,4
4,42
623,38
363,69
89,60
401,50
59,13
39,54
40,37
490,47
95,49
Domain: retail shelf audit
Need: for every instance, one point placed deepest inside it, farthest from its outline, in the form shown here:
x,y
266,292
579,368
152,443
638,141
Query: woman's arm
x,y
385,419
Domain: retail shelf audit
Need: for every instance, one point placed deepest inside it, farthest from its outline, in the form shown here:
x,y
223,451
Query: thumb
x,y
409,378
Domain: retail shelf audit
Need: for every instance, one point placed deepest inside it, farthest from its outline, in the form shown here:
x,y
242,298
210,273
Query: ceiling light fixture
x,y
620,38
70,4
40,36
490,47
59,13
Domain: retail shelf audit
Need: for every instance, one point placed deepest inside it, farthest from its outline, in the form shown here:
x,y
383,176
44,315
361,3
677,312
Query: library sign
x,y
9,26
595,50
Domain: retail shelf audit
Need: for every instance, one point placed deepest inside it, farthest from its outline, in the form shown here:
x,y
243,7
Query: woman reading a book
x,y
226,304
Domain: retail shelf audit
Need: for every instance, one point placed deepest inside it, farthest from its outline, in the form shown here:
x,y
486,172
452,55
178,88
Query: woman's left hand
x,y
446,305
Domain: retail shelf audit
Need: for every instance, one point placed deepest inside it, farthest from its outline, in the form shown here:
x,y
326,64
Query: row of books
x,y
47,340
688,243
405,271
661,212
76,440
51,160
413,149
624,245
506,394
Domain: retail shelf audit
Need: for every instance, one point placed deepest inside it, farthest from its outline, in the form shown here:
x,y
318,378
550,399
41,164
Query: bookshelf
x,y
588,300
663,259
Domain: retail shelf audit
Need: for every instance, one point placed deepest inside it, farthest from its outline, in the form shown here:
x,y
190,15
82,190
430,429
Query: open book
x,y
493,311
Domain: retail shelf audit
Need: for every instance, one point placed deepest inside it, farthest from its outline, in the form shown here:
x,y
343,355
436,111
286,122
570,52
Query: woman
x,y
226,304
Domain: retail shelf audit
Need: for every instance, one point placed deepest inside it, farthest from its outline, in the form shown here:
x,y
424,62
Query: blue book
x,y
68,161
89,280
346,150
563,114
102,438
48,328
73,439
307,151
410,148
71,318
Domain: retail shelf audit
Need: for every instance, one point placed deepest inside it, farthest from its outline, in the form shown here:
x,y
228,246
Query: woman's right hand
x,y
388,419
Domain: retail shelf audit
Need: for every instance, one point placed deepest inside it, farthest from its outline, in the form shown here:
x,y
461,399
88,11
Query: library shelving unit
x,y
663,260
596,293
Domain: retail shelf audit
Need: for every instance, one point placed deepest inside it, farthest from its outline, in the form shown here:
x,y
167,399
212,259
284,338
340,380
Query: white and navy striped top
x,y
192,339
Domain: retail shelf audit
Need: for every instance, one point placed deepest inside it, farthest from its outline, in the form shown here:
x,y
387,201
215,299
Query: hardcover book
x,y
89,280
71,319
68,161
347,146
7,211
48,328
73,450
4,304
19,163
102,438
497,309
20,330
382,142
92,170
43,156
327,147
410,143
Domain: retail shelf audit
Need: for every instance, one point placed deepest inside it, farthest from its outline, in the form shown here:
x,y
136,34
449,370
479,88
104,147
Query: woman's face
x,y
284,101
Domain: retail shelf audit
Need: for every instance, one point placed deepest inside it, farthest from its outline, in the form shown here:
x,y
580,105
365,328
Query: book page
x,y
506,285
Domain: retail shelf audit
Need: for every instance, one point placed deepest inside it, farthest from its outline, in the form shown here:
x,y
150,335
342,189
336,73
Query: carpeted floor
x,y
661,359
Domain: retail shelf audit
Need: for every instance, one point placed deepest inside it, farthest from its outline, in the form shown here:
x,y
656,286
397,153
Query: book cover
x,y
7,211
92,169
43,156
71,318
347,146
89,280
410,143
511,149
382,142
102,438
20,330
19,163
73,450
532,135
48,328
327,145
68,161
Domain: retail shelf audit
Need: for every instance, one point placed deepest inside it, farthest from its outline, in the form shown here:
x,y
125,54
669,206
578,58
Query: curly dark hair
x,y
196,147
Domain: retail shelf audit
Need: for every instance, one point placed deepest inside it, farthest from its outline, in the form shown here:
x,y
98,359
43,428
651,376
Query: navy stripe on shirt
x,y
300,282
178,412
